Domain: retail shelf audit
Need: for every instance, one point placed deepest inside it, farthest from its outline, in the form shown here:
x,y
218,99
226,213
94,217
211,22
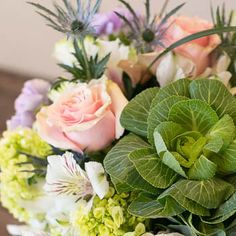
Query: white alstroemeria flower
x,y
65,177
173,67
219,70
24,230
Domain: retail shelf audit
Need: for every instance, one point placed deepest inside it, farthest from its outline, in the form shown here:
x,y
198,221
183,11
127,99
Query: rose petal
x,y
96,137
119,101
52,134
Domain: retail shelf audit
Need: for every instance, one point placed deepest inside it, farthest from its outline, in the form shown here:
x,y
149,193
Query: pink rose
x,y
85,116
197,50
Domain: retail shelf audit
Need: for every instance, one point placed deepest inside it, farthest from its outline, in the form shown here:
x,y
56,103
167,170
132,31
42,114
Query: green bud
x,y
130,234
132,220
99,212
103,230
124,195
117,215
109,223
140,229
102,203
110,193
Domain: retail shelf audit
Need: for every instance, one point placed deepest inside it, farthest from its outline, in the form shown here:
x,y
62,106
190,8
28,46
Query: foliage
x,y
185,150
96,66
228,40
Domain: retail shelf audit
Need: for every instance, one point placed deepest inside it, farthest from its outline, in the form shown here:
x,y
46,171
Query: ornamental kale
x,y
180,156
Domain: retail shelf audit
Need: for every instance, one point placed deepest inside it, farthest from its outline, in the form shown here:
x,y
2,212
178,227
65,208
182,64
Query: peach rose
x,y
84,116
197,50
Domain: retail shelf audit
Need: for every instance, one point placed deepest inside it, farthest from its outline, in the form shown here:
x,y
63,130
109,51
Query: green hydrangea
x,y
17,185
109,217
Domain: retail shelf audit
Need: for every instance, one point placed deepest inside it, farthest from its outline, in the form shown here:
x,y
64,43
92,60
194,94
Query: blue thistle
x,y
73,22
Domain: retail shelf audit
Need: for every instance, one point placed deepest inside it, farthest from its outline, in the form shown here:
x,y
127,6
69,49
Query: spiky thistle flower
x,y
146,32
73,22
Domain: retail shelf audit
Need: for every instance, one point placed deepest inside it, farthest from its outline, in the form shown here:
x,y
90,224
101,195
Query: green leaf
x,y
147,207
226,160
159,113
178,88
212,230
213,146
170,160
207,193
98,67
191,38
121,187
121,169
216,95
151,168
224,129
160,144
135,114
225,211
168,131
189,147
202,169
232,180
185,202
194,115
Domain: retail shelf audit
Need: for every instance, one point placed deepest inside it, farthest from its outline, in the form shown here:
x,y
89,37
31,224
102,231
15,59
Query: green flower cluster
x,y
109,217
16,184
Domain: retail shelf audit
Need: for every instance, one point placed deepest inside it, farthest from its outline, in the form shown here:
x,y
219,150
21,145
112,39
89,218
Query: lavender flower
x,y
109,23
33,95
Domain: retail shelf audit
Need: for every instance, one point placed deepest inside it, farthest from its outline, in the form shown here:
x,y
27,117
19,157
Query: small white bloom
x,y
65,177
63,51
118,52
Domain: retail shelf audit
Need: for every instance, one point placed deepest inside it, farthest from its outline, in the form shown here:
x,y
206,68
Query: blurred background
x,y
26,43
26,46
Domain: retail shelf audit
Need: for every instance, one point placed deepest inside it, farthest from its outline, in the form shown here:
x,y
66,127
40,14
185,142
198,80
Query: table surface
x,y
10,86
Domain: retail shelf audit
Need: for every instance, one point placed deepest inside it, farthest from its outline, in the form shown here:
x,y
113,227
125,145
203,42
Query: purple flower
x,y
33,95
109,23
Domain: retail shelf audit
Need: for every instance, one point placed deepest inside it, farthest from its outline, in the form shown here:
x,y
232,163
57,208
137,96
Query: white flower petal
x,y
97,177
225,76
166,70
64,176
24,230
63,52
179,74
222,63
188,67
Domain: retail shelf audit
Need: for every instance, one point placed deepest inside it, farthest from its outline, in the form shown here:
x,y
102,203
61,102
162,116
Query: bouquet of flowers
x,y
139,139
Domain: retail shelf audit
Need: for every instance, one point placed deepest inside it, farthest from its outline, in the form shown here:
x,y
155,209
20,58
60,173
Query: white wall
x,y
26,43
